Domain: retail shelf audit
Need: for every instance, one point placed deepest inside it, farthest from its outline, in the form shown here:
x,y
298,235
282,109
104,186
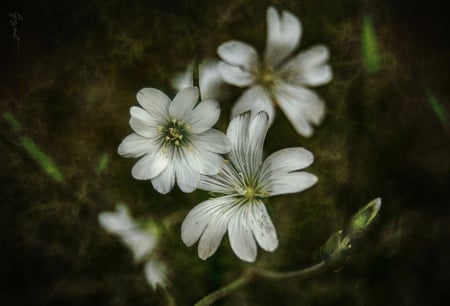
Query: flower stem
x,y
253,273
196,78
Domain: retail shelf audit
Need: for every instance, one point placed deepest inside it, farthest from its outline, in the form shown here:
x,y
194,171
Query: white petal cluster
x,y
279,77
140,239
175,139
244,183
209,79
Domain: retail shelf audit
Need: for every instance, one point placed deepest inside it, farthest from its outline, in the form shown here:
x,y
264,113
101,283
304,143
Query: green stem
x,y
196,78
253,273
243,280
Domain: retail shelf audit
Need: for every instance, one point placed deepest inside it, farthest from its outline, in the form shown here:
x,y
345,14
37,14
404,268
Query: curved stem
x,y
304,273
252,273
243,280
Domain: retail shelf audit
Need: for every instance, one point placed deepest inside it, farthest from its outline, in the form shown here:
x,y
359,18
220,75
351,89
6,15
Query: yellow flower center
x,y
249,192
175,133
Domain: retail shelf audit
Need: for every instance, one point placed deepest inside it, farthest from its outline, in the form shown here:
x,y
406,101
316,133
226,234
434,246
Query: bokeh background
x,y
65,92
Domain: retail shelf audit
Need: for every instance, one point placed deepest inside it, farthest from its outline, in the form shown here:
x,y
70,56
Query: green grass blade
x,y
370,48
45,161
103,163
438,108
15,125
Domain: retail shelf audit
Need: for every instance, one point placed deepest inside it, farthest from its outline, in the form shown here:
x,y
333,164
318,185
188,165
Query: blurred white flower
x,y
141,238
155,273
141,241
209,79
175,139
244,183
278,78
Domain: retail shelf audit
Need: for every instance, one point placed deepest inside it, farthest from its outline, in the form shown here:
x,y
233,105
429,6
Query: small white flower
x,y
175,139
155,273
244,183
141,241
278,78
209,79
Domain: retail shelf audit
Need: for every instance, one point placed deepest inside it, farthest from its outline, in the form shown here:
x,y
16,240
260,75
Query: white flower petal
x,y
155,273
209,79
240,235
309,67
142,123
196,220
312,57
291,182
262,227
223,183
212,140
257,131
301,106
239,54
135,145
187,170
155,102
283,35
287,160
213,233
150,165
140,242
164,182
116,222
183,103
237,132
315,76
234,75
254,99
210,163
204,116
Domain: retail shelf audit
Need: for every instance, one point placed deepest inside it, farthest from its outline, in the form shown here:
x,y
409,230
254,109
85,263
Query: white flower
x,y
155,273
244,183
175,138
209,79
278,78
141,241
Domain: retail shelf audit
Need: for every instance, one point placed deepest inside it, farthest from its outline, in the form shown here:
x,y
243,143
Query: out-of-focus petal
x,y
283,36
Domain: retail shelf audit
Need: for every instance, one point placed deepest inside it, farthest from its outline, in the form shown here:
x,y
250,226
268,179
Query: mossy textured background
x,y
75,76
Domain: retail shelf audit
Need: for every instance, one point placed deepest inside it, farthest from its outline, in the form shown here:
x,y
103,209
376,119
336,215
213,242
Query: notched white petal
x,y
187,171
291,183
234,75
239,54
164,182
283,35
288,160
155,102
150,165
254,99
263,228
204,116
135,146
183,103
301,106
241,238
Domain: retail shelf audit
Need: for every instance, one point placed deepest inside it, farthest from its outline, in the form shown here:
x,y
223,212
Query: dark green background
x,y
75,77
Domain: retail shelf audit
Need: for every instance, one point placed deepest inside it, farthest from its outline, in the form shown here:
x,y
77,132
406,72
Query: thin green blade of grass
x,y
103,163
12,121
370,47
45,161
438,108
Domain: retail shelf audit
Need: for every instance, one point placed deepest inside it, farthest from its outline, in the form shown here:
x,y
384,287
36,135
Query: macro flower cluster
x,y
177,144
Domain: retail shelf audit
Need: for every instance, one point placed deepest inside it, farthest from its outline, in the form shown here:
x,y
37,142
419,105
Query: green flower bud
x,y
364,217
